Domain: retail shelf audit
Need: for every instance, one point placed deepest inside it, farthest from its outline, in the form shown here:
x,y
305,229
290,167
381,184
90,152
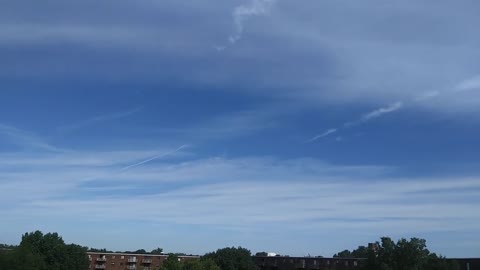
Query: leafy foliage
x,y
157,251
401,255
44,252
232,258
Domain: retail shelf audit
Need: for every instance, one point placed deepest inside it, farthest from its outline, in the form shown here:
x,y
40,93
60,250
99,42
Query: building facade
x,y
126,261
306,263
468,264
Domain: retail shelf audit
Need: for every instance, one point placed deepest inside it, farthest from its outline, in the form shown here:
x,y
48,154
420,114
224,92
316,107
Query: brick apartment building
x,y
320,263
127,261
306,263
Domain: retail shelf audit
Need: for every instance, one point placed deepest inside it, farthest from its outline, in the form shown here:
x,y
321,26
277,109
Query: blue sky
x,y
297,127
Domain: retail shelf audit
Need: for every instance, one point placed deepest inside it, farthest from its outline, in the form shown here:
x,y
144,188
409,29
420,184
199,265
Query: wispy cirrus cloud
x,y
241,14
97,119
325,134
25,139
469,84
363,119
252,192
378,113
153,158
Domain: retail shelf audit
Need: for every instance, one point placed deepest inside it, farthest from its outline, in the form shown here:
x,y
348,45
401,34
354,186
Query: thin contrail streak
x,y
153,158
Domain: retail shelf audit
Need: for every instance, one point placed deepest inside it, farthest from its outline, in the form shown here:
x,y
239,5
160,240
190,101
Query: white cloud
x,y
381,111
97,119
240,194
469,84
252,191
365,118
325,134
242,13
25,139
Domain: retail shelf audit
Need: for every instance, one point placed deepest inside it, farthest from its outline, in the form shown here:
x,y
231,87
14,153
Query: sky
x,y
297,127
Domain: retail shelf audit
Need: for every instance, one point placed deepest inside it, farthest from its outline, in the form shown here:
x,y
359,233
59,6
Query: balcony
x,y
146,268
147,261
132,260
101,259
131,267
100,266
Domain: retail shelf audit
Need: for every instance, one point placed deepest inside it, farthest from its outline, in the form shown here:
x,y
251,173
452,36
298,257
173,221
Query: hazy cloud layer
x,y
355,53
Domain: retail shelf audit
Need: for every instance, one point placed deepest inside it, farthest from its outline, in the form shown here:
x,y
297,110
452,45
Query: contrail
x,y
363,119
381,111
153,158
98,119
325,134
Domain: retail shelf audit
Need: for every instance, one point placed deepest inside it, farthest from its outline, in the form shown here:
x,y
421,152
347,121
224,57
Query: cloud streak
x,y
468,85
98,119
325,134
24,139
153,158
363,119
242,13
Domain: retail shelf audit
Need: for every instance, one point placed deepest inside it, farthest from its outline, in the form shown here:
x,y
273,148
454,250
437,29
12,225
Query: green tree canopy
x,y
172,263
401,255
157,251
44,252
232,258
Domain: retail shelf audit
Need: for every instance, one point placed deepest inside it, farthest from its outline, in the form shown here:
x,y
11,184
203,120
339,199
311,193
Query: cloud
x,y
242,13
469,84
252,192
153,158
26,140
381,111
325,134
97,119
365,118
427,96
237,194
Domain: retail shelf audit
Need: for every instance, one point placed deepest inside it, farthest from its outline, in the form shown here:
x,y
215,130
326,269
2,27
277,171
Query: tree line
x,y
38,251
404,254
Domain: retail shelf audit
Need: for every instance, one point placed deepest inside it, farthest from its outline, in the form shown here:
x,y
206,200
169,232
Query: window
x,y
354,263
122,257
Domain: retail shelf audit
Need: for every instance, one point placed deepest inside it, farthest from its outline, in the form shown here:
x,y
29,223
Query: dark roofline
x,y
140,254
294,257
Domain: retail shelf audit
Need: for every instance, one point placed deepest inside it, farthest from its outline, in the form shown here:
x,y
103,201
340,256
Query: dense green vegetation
x,y
401,255
38,251
172,263
232,258
43,252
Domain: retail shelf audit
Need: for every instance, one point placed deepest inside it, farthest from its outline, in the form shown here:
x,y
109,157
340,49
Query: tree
x,y
157,251
343,254
209,264
232,258
203,264
49,252
405,255
172,263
